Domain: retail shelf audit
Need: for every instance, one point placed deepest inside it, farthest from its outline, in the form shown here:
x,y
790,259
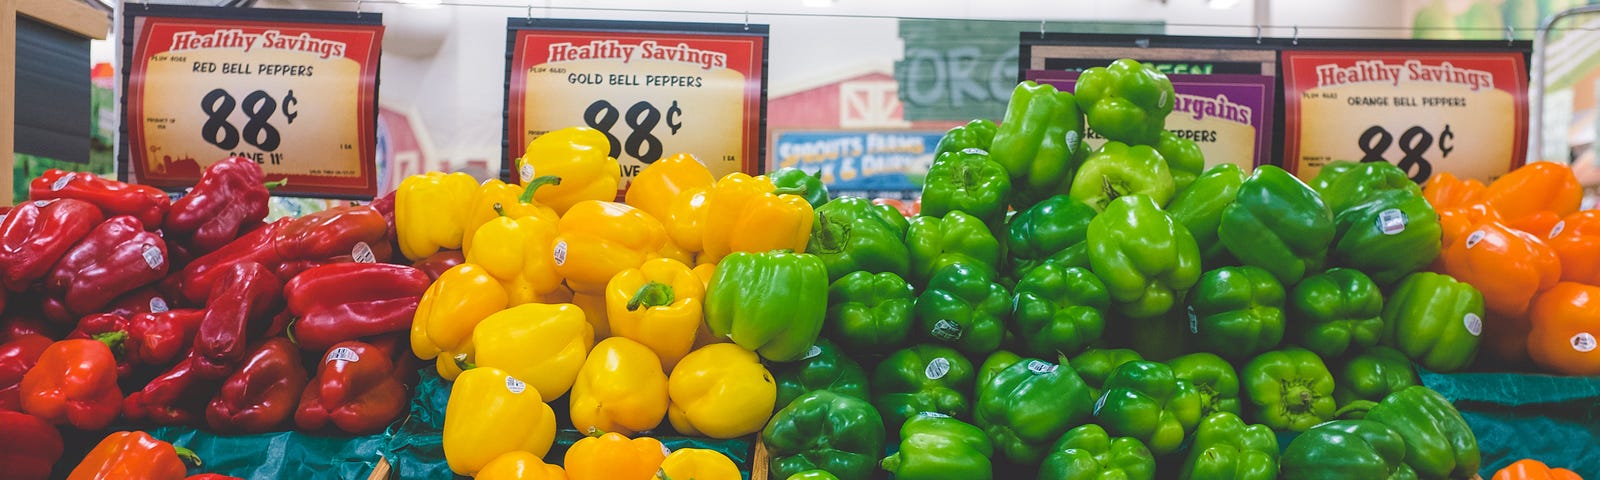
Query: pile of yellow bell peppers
x,y
567,293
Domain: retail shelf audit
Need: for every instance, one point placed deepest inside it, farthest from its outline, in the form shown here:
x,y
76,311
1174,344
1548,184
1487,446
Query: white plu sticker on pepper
x,y
560,252
1475,237
1556,230
515,386
810,354
946,330
343,354
1194,321
1099,404
526,172
158,305
1041,367
1392,221
62,182
1473,322
937,369
362,253
1583,342
152,256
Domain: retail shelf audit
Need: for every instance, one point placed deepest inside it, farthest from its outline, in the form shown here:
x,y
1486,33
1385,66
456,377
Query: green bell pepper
x,y
806,185
1199,208
870,312
1058,310
1289,389
1435,320
850,235
1330,171
1277,223
1184,159
894,218
1159,338
936,447
994,364
1096,364
828,431
1225,448
813,475
1046,229
1030,404
1336,311
771,303
1347,449
1144,400
824,368
1039,142
1392,234
963,307
1237,312
1088,452
1345,187
1372,375
935,242
1211,376
1146,259
1117,170
923,378
977,134
1439,443
1126,101
968,181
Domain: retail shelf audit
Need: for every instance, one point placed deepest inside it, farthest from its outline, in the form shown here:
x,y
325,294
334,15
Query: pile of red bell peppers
x,y
122,308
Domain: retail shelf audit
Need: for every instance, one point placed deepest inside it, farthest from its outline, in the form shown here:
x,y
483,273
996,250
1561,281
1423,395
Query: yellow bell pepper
x,y
613,456
673,189
720,391
702,334
580,156
450,308
599,239
673,251
697,464
520,465
427,212
749,214
658,305
541,344
491,413
620,389
496,199
704,273
516,251
594,309
561,294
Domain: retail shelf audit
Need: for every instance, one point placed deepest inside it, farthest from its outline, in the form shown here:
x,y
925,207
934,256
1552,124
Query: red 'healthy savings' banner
x,y
1426,112
654,89
297,96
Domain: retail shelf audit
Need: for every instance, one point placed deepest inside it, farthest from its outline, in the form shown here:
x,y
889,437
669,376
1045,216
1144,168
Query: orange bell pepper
x,y
1445,191
599,239
1576,240
1505,339
1536,187
1455,222
520,465
672,189
749,214
1566,326
125,455
1509,266
612,456
1530,469
1537,223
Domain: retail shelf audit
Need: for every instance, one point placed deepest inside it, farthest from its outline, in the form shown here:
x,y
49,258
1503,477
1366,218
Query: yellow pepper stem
x,y
533,185
653,294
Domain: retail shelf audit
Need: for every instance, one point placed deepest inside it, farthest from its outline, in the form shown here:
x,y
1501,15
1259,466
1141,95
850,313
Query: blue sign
x,y
885,160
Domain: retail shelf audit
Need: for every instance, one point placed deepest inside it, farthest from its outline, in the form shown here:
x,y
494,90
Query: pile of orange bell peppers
x,y
1524,243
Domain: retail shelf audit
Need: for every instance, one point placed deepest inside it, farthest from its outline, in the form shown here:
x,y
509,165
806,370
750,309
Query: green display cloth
x,y
279,454
1555,420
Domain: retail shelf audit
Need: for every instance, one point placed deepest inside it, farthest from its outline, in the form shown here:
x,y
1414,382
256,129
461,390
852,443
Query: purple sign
x,y
1229,116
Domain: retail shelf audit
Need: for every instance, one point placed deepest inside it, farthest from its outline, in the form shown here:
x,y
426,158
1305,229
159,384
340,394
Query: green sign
x,y
958,70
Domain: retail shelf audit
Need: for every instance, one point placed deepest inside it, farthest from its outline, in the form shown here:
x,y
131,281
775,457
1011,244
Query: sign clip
x,y
1041,28
1258,34
746,20
358,8
1510,35
1296,34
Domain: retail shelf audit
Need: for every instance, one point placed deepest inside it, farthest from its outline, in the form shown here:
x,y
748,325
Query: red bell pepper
x,y
148,204
261,396
289,246
128,455
360,387
435,265
141,300
29,446
385,206
115,258
36,234
230,197
348,301
176,397
74,383
16,324
16,358
154,339
245,296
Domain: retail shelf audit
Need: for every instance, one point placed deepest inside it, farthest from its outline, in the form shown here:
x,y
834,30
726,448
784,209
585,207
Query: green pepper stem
x,y
462,363
279,183
1356,410
1108,189
653,294
288,331
534,184
799,190
831,236
116,340
187,456
890,463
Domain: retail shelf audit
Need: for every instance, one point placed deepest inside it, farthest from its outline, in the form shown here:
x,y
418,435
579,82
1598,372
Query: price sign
x,y
1426,112
653,89
293,90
